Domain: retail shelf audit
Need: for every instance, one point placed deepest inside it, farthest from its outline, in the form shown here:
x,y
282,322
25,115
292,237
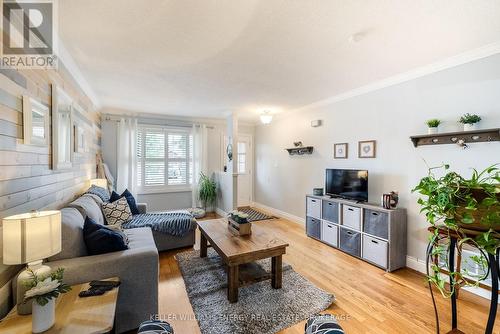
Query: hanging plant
x,y
456,205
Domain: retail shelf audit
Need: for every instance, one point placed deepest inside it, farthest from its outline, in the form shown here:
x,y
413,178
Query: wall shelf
x,y
300,150
475,136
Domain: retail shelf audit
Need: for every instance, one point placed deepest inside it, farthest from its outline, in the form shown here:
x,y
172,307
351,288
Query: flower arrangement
x,y
239,217
43,288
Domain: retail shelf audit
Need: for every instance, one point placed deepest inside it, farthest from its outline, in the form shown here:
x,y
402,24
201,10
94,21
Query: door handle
x,y
375,213
350,209
329,226
375,242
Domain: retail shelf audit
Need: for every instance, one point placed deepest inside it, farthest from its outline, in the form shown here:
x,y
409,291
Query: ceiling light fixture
x,y
266,117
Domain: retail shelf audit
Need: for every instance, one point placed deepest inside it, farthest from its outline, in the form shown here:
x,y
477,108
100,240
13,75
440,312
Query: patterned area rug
x,y
260,308
254,215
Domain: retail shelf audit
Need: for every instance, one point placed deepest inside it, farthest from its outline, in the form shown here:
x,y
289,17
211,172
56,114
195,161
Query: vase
x,y
43,317
470,127
432,130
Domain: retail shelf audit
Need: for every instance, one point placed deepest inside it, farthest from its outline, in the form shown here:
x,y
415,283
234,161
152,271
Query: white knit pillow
x,y
117,212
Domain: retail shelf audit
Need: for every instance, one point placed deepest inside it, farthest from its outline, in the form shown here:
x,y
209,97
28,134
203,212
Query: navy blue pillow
x,y
100,240
130,200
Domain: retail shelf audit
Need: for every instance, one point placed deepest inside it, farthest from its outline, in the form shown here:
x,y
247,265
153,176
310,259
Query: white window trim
x,y
145,190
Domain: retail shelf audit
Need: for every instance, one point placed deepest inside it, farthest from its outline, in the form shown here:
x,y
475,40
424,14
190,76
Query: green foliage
x,y
433,123
207,190
469,119
454,202
43,299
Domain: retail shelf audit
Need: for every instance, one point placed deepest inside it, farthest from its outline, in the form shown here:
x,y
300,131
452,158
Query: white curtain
x,y
126,171
200,159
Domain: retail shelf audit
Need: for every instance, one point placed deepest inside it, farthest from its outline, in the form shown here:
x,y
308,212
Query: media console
x,y
369,232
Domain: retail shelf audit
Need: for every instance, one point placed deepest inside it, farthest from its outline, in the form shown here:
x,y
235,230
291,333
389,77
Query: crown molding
x,y
77,75
460,59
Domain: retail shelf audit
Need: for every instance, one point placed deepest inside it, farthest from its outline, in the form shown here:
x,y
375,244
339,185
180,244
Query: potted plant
x,y
432,125
470,121
43,291
207,190
456,204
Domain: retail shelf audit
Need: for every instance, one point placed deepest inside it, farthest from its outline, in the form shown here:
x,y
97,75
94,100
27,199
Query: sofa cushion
x,y
102,193
72,243
117,212
130,200
88,208
140,238
100,239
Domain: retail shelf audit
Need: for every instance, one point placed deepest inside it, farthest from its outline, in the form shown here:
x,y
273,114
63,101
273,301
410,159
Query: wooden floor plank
x,y
368,300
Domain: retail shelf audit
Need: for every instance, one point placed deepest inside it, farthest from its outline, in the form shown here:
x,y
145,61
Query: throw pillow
x,y
155,327
99,239
117,212
100,192
119,228
130,200
323,324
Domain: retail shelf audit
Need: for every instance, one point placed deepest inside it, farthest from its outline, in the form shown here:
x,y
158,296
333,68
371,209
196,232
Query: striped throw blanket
x,y
176,223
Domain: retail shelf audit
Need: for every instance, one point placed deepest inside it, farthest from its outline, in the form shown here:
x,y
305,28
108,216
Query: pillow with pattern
x,y
102,193
117,212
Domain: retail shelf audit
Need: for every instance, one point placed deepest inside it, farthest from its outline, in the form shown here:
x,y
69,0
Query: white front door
x,y
244,161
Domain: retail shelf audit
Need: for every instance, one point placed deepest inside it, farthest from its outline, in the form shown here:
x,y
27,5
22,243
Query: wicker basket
x,y
477,215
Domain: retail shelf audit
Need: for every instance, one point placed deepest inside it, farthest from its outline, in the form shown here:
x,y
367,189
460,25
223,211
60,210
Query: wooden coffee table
x,y
74,315
239,250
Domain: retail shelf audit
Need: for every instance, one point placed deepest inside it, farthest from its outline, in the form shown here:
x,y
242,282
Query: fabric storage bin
x,y
329,233
313,207
313,227
351,217
376,223
330,211
350,241
375,251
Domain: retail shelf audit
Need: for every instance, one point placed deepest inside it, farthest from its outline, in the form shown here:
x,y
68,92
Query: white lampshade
x,y
31,237
103,183
266,117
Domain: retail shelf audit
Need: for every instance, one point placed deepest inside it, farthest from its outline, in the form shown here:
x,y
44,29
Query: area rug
x,y
255,215
260,308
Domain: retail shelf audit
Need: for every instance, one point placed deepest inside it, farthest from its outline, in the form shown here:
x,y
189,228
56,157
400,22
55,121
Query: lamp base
x,y
40,270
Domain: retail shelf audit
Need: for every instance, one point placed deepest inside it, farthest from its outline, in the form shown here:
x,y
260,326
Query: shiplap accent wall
x,y
27,181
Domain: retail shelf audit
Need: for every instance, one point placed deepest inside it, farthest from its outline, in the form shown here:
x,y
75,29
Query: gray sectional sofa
x,y
137,267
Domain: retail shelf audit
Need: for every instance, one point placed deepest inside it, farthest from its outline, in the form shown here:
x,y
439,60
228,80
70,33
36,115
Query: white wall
x,y
389,115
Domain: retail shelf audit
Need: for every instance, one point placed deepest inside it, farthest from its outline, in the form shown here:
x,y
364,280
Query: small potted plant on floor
x,y
432,126
43,291
458,205
470,121
207,191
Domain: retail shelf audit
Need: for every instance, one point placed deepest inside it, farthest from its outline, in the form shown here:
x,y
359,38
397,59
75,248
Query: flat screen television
x,y
347,183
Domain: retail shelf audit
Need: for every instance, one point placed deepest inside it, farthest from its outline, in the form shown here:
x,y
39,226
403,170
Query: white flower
x,y
43,287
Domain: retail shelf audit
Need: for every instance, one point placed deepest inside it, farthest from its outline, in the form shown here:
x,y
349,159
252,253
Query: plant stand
x,y
493,267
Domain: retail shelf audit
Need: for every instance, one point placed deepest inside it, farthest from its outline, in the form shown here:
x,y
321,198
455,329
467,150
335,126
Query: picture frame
x,y
36,122
80,140
367,149
340,150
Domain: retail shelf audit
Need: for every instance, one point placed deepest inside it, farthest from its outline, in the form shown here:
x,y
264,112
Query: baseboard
x,y
279,213
415,264
220,212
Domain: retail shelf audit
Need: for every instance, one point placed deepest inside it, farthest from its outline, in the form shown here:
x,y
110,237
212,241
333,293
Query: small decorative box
x,y
239,229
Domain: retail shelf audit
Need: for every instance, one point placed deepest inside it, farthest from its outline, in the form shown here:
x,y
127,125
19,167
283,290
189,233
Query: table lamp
x,y
103,183
29,238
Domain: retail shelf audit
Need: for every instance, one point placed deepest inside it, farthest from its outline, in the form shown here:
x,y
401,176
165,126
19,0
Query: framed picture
x,y
367,149
340,151
35,122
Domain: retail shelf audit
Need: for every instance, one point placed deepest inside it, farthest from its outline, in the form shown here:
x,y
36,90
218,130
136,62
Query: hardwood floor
x,y
368,300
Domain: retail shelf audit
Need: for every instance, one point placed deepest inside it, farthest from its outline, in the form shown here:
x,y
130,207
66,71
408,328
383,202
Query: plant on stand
x,y
456,205
432,125
207,191
469,121
43,291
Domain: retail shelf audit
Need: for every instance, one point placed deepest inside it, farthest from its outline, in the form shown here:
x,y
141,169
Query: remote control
x,y
113,284
91,293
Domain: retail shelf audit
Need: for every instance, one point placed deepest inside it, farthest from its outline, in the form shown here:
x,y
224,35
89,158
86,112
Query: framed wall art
x,y
340,151
367,149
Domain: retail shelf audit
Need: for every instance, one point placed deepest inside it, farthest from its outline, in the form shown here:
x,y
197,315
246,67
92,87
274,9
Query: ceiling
x,y
207,58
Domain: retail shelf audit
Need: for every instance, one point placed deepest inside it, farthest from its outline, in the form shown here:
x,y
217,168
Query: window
x,y
164,159
242,157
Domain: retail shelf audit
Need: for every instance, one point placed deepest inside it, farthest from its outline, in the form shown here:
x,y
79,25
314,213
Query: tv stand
x,y
367,231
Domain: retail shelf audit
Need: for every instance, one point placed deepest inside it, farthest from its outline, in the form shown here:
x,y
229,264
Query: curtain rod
x,y
108,118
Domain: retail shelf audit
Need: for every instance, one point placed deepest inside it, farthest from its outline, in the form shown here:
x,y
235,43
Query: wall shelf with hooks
x,y
468,137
